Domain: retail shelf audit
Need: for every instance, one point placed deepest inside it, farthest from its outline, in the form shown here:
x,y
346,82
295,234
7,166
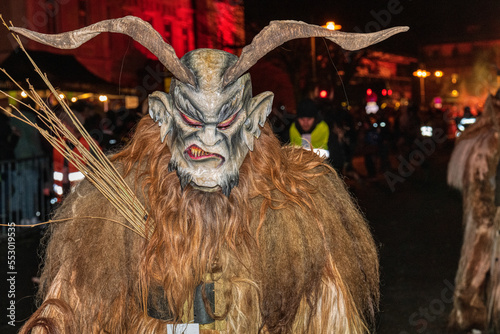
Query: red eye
x,y
225,124
191,121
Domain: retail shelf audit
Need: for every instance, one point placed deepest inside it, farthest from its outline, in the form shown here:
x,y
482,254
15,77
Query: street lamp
x,y
422,74
330,25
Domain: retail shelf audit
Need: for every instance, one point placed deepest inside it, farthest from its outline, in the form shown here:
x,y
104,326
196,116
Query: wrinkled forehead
x,y
209,96
208,67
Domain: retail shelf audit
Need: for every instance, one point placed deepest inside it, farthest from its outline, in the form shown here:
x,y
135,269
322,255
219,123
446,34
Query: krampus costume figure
x,y
473,169
273,227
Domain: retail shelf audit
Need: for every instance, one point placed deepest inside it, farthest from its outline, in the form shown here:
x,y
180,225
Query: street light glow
x,y
103,98
421,73
330,25
23,94
438,74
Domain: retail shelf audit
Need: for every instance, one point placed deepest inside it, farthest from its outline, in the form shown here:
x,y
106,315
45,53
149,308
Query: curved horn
x,y
279,32
140,30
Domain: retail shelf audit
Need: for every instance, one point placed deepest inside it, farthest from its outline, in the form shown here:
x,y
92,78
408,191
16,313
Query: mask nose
x,y
209,135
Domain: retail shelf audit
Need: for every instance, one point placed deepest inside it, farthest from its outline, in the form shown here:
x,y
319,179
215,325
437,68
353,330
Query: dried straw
x,y
96,167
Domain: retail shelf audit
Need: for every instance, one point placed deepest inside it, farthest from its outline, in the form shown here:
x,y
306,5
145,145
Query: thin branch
x,y
92,162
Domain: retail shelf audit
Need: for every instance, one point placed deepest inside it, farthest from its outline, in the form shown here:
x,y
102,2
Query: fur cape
x,y
290,249
473,170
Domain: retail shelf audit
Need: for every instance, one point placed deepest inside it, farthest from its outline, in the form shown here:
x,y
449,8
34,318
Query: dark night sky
x,y
429,20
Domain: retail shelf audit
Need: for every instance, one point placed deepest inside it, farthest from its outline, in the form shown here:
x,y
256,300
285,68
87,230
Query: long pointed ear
x,y
259,108
160,110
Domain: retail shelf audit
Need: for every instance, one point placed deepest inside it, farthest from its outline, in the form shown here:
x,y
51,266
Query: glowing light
x,y
330,25
73,99
371,108
369,91
454,93
384,92
426,131
58,189
103,98
421,73
23,94
323,94
438,102
438,74
61,96
468,121
389,92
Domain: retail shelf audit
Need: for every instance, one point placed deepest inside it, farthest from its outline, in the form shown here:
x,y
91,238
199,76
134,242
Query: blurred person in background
x,y
308,130
29,171
8,141
9,137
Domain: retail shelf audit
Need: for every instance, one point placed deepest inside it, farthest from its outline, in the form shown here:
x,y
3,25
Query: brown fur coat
x,y
292,251
472,169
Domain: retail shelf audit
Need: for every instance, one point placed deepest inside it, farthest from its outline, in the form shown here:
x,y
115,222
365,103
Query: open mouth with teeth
x,y
196,153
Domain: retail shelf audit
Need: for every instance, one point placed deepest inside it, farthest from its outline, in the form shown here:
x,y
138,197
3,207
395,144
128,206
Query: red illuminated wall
x,y
185,24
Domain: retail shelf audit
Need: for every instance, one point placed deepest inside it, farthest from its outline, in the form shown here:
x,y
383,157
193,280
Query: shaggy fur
x,y
292,252
472,169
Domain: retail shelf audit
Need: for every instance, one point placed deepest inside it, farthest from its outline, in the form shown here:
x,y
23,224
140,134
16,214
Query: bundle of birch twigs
x,y
93,163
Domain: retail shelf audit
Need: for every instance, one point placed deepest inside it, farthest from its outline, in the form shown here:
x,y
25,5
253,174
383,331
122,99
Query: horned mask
x,y
210,118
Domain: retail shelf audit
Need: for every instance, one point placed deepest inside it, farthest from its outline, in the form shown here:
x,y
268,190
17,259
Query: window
x,y
168,32
83,13
51,10
185,36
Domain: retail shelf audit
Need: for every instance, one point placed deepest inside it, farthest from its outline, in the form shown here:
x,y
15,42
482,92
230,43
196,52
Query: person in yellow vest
x,y
308,130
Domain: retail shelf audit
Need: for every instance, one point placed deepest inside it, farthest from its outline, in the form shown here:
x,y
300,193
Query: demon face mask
x,y
210,115
210,127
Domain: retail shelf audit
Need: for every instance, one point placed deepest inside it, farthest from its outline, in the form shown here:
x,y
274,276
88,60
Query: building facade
x,y
470,70
185,24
